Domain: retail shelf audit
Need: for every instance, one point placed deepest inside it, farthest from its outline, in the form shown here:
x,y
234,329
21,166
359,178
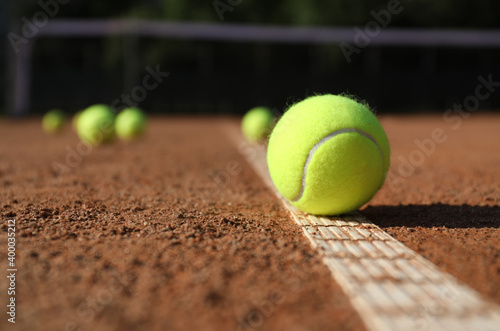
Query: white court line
x,y
390,286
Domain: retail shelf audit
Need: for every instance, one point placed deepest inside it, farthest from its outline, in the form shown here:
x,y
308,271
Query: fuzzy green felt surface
x,y
344,171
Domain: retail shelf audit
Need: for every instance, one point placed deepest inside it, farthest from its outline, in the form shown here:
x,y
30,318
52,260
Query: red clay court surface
x,y
177,232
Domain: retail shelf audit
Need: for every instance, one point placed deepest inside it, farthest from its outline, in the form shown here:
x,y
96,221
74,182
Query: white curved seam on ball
x,y
324,140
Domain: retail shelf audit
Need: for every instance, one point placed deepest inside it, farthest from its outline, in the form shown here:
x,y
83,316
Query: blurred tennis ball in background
x,y
130,123
257,123
53,121
95,125
74,121
328,155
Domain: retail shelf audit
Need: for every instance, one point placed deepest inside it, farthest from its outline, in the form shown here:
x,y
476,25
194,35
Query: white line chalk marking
x,y
390,286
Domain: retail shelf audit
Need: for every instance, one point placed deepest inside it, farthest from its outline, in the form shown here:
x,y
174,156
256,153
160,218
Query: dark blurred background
x,y
230,77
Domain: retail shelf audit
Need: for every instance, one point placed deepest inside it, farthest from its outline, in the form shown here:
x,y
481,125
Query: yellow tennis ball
x,y
130,123
53,121
257,123
328,155
95,125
